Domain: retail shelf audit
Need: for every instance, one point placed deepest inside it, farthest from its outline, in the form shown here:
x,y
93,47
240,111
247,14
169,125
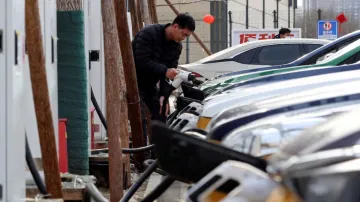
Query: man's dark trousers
x,y
152,101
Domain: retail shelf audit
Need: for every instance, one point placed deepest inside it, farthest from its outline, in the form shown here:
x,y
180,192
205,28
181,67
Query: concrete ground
x,y
176,192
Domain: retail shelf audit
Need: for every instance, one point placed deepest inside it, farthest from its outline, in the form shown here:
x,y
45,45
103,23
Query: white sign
x,y
240,36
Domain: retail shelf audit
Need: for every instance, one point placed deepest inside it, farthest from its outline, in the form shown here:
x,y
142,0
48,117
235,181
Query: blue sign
x,y
327,29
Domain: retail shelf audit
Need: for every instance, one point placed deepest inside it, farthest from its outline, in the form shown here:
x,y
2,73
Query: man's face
x,y
285,35
180,34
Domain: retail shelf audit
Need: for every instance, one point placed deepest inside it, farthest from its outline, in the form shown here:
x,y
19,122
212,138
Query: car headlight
x,y
203,122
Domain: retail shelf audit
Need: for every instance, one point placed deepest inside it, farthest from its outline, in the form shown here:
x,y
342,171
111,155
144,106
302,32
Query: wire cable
x,y
126,150
98,110
160,189
34,172
139,182
95,193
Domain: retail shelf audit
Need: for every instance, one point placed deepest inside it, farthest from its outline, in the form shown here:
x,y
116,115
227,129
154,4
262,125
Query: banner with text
x,y
240,36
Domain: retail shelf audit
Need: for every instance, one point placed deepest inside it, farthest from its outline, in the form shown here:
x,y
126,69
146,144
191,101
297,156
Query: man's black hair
x,y
284,31
185,21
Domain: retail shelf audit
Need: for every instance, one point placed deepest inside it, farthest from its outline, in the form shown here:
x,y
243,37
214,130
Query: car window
x,y
312,47
277,54
245,57
353,59
342,51
322,57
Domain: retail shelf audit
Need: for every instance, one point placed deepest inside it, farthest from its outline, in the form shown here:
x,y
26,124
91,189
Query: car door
x,y
276,55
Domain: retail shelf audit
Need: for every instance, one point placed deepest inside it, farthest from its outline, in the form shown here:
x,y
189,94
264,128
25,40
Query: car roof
x,y
293,74
256,93
297,74
231,51
303,58
272,86
248,113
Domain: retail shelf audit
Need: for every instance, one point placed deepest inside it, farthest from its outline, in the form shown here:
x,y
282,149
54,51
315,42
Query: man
x,y
156,50
283,33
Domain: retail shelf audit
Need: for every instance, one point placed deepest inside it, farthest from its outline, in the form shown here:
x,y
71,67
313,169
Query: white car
x,y
260,53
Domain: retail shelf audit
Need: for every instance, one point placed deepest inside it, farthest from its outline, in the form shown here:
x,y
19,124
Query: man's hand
x,y
167,106
171,73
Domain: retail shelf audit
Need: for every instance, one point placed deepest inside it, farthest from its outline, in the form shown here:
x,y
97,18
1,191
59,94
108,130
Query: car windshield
x,y
341,52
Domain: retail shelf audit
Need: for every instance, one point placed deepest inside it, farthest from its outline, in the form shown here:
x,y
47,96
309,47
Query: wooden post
x,y
131,82
116,108
138,12
134,17
194,34
41,99
152,8
145,12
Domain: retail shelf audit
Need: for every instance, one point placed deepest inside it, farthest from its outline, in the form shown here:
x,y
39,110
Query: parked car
x,y
264,136
236,117
314,56
338,132
253,54
348,55
265,87
275,85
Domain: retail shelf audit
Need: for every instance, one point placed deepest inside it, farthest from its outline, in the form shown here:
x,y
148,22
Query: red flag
x,y
341,18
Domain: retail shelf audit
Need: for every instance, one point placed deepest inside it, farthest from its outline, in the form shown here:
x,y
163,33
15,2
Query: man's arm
x,y
142,54
174,63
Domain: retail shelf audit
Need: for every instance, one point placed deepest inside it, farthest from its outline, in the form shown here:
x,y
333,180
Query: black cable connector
x,y
147,163
139,182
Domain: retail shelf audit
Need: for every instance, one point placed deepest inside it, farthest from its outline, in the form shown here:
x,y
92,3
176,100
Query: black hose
x,y
34,172
103,121
95,193
139,182
160,189
98,110
126,150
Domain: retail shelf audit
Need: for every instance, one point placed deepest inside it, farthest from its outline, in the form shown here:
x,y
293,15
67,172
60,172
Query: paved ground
x,y
176,193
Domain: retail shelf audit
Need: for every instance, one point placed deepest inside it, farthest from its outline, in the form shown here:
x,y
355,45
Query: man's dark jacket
x,y
153,55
